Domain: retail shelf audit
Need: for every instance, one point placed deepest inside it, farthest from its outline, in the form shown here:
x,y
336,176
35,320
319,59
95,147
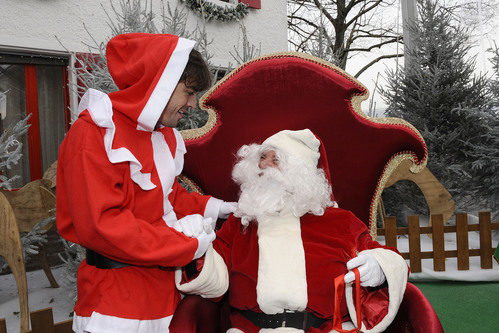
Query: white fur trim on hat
x,y
302,144
396,271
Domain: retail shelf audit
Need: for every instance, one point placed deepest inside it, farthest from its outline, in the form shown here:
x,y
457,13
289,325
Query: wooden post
x,y
42,321
42,256
3,326
391,231
437,222
414,244
463,252
485,240
64,327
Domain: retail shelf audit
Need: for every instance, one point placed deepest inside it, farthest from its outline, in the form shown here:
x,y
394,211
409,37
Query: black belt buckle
x,y
293,319
305,320
296,319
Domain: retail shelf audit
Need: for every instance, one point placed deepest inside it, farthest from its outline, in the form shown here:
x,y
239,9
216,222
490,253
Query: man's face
x,y
268,159
182,99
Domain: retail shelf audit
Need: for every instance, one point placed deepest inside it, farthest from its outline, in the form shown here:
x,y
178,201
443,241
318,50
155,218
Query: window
x,y
219,72
31,83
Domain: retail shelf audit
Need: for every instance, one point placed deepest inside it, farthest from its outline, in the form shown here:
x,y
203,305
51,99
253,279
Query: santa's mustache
x,y
293,187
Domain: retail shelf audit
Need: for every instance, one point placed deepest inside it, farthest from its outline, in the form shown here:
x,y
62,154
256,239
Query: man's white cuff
x,y
212,208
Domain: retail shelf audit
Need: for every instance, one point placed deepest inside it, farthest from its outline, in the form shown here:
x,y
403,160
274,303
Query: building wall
x,y
38,24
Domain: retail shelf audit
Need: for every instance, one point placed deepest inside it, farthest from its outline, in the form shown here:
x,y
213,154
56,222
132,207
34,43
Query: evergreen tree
x,y
451,106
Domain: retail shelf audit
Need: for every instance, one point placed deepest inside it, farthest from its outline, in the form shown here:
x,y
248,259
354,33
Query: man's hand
x,y
226,209
371,274
194,225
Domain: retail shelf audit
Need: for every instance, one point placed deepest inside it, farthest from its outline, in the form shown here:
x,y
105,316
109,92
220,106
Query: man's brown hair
x,y
196,74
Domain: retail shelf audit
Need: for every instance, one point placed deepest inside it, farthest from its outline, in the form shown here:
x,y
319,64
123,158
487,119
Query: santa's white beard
x,y
293,188
265,195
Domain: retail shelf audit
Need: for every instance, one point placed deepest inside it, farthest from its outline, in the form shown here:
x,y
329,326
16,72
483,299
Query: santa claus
x,y
279,254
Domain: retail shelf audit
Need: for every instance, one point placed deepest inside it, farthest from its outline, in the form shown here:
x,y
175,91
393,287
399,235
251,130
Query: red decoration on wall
x,y
257,4
35,158
65,92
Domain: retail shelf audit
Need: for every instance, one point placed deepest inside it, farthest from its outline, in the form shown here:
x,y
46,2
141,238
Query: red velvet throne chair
x,y
296,91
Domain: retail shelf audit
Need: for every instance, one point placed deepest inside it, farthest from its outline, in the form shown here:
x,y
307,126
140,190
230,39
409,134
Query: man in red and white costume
x,y
286,243
117,193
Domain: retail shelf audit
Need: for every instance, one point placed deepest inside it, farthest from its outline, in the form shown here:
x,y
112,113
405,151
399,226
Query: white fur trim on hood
x,y
166,85
100,108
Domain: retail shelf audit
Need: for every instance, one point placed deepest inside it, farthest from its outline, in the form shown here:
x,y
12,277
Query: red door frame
x,y
65,91
35,156
31,88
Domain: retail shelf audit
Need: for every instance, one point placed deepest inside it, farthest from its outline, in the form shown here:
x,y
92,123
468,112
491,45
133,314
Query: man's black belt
x,y
300,320
102,262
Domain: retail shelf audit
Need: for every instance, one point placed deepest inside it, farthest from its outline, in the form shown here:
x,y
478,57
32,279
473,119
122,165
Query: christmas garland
x,y
210,11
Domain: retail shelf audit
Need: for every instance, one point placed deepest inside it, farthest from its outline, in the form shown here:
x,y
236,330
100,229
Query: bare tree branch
x,y
345,25
386,56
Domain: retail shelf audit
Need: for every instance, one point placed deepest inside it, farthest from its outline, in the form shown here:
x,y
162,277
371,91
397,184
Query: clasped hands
x,y
371,274
201,228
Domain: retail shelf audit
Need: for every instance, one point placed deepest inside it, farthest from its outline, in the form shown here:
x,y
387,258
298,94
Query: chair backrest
x,y
296,91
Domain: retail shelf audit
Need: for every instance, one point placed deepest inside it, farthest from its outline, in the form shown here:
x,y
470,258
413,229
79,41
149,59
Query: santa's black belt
x,y
102,262
300,320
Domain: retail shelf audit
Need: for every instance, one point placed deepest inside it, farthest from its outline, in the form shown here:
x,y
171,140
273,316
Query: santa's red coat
x,y
329,241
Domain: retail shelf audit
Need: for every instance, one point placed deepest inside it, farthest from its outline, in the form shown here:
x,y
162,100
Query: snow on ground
x,y
475,273
40,296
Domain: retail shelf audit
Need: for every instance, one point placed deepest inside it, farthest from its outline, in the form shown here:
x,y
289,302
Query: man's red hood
x,y
146,68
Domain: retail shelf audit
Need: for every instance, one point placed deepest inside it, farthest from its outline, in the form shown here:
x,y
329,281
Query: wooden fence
x,y
436,230
42,321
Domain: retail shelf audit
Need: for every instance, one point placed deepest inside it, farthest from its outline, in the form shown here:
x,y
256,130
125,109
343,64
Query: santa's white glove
x,y
226,208
371,274
204,240
193,225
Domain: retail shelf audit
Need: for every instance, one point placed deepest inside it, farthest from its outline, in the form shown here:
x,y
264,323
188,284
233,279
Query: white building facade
x,y
38,41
